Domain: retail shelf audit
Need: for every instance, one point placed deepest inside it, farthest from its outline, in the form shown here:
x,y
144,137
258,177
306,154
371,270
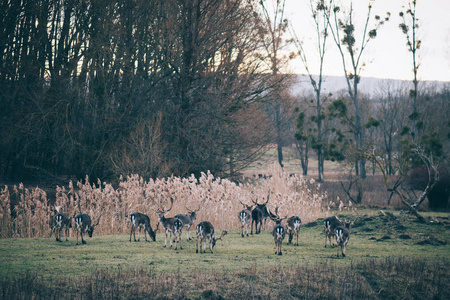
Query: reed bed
x,y
29,213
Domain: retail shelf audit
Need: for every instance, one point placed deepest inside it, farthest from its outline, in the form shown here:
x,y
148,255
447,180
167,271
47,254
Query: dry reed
x,y
218,200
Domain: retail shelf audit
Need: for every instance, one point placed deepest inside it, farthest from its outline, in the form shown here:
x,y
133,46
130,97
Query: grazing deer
x,y
330,224
171,226
278,232
204,231
244,217
293,228
342,237
188,220
258,217
62,221
141,220
83,224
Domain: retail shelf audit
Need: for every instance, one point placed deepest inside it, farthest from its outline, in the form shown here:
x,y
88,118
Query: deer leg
x,y
131,232
196,245
58,234
83,240
165,241
145,232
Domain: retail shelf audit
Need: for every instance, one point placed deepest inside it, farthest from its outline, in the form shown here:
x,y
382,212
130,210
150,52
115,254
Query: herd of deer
x,y
256,213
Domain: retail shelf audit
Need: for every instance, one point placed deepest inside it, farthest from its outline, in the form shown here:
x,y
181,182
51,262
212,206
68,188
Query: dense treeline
x,y
131,86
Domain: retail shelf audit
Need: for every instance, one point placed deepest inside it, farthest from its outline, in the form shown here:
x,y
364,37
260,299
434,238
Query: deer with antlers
x,y
83,224
293,228
205,231
171,226
244,217
259,214
188,220
279,231
138,220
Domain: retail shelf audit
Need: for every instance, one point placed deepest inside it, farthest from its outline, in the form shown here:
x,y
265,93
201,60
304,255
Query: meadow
x,y
390,255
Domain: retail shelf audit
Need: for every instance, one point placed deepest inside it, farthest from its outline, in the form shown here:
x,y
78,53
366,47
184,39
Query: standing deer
x,y
244,217
204,231
141,221
83,224
171,225
188,220
261,214
62,221
330,224
342,237
293,228
278,232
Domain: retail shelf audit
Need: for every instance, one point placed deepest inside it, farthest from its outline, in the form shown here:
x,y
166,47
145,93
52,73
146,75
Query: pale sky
x,y
386,56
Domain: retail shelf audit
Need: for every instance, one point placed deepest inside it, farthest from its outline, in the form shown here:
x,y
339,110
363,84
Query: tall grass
x,y
389,278
31,214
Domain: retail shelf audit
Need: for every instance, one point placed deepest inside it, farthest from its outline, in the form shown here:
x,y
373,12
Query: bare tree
x,y
343,31
319,12
271,32
398,188
413,45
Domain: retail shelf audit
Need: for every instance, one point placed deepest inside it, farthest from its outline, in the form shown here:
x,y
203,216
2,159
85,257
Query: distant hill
x,y
368,85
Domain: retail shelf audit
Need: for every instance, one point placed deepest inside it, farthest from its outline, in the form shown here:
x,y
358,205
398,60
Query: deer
x,y
141,221
293,228
83,224
204,231
244,217
259,213
62,221
330,224
278,232
171,226
188,220
342,237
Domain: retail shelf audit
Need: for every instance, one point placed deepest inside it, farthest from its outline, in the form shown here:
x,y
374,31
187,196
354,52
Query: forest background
x,y
161,88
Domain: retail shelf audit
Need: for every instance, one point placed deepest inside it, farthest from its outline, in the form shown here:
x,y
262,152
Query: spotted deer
x,y
83,224
188,220
138,220
204,232
278,232
342,237
293,228
330,224
244,217
62,222
171,226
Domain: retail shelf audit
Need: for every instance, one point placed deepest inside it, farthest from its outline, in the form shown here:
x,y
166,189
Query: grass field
x,y
111,267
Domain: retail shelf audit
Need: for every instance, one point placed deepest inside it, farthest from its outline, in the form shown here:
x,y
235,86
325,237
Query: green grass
x,y
373,236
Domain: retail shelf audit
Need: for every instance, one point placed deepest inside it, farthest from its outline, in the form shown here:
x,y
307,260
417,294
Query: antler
x,y
165,210
222,235
98,220
278,218
268,196
190,210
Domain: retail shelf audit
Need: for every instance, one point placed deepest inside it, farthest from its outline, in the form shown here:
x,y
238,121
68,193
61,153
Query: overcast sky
x,y
387,55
